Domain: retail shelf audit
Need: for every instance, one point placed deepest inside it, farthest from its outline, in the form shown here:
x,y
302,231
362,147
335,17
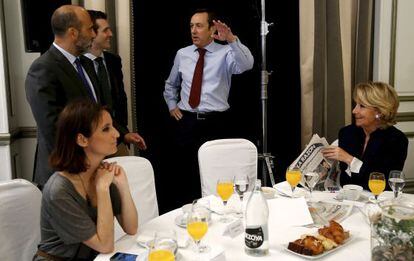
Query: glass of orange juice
x,y
293,177
197,226
225,188
376,184
164,246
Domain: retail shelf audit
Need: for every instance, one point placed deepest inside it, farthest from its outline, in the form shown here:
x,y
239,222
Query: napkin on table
x,y
289,212
284,189
216,253
216,204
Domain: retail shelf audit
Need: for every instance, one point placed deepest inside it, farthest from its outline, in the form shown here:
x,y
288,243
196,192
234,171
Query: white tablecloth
x,y
279,236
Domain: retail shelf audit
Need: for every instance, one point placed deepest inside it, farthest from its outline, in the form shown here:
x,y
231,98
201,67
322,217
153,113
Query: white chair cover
x,y
226,158
20,203
142,185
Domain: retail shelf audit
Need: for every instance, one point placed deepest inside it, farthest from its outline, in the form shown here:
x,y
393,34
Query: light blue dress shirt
x,y
220,62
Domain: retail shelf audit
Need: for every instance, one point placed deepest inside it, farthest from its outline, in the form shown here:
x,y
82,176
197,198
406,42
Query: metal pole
x,y
265,156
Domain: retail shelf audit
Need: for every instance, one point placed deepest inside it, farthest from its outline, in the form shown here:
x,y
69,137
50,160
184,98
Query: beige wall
x,y
396,44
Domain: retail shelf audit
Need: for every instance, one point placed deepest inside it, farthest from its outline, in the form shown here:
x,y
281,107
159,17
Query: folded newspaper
x,y
312,160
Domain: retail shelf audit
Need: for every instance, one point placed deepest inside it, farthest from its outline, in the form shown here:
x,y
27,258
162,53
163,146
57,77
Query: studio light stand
x,y
265,156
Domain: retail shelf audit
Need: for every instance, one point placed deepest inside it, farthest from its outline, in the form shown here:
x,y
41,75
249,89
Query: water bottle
x,y
256,236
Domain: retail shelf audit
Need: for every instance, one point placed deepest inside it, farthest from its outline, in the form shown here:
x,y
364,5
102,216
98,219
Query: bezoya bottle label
x,y
255,236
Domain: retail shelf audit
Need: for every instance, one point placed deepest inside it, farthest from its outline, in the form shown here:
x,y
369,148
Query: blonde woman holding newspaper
x,y
371,143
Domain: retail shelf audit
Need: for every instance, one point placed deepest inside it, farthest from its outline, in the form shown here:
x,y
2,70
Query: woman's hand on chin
x,y
120,178
105,175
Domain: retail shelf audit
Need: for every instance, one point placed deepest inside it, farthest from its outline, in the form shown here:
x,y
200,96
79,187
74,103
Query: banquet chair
x,y
226,158
142,186
20,203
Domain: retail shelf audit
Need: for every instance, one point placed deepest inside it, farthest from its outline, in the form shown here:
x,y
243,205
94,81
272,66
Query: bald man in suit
x,y
57,77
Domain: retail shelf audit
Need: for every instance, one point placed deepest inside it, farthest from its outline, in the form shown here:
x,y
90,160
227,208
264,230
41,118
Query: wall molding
x,y
409,186
5,139
407,98
409,134
16,134
405,116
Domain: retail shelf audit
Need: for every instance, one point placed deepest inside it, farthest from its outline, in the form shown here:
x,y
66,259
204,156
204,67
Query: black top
x,y
386,150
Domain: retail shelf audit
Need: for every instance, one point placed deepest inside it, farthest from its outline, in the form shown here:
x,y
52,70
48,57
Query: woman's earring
x,y
377,116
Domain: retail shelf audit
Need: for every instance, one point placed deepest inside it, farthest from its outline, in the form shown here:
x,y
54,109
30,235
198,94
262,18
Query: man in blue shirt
x,y
198,98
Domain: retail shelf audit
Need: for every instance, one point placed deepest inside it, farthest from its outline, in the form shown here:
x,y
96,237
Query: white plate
x,y
351,237
181,221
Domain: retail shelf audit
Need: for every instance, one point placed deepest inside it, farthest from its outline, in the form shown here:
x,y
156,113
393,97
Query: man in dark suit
x,y
57,77
108,68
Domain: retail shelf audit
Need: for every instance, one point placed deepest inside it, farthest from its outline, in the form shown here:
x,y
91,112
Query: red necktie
x,y
195,92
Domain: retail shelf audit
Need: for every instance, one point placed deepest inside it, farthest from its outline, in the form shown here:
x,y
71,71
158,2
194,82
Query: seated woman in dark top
x,y
372,143
82,197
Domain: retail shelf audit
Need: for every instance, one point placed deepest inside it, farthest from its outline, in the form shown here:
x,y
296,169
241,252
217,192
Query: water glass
x,y
241,185
311,179
396,181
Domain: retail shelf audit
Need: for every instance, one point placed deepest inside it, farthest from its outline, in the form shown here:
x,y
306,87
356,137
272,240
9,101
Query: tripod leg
x,y
269,170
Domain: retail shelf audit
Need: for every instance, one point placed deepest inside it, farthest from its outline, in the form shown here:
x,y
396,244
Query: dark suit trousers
x,y
190,133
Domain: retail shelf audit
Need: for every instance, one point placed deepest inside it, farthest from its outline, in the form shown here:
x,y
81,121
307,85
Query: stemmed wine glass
x,y
376,184
241,185
293,177
225,190
396,181
311,178
197,226
164,247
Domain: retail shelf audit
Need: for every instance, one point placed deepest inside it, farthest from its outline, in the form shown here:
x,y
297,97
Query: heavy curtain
x,y
335,54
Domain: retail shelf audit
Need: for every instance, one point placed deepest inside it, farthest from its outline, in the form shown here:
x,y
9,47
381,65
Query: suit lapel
x,y
90,70
110,70
67,67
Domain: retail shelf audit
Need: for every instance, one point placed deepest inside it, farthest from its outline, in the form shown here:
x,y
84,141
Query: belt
x,y
203,115
49,256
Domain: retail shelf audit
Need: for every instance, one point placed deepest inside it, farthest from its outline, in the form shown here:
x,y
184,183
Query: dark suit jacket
x,y
386,150
119,98
51,83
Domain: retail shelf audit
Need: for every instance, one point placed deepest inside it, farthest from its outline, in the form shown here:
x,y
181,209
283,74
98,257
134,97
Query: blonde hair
x,y
380,96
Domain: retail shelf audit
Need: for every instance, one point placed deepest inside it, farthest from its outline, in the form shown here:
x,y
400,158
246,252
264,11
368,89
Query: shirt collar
x,y
93,57
65,53
209,47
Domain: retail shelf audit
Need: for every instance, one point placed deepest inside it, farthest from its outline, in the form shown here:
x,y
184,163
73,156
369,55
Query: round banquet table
x,y
279,235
